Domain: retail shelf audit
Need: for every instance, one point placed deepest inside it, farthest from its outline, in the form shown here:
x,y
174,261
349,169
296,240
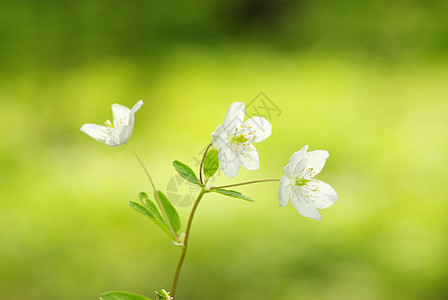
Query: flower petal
x,y
324,196
314,159
248,157
234,116
283,192
121,115
228,161
98,132
219,137
119,136
294,160
132,112
259,127
287,170
137,106
304,207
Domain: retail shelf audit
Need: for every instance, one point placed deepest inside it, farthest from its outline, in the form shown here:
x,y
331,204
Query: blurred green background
x,y
366,81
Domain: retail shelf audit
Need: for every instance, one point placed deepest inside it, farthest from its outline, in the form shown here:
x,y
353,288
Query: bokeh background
x,y
365,80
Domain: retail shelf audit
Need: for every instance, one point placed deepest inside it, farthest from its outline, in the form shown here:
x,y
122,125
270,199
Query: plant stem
x,y
159,202
184,249
243,183
190,220
202,163
187,231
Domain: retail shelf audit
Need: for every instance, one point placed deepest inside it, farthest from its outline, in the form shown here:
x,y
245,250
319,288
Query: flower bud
x,y
164,295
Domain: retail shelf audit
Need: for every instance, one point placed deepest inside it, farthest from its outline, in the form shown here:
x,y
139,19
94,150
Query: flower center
x,y
305,183
109,124
242,136
302,181
238,139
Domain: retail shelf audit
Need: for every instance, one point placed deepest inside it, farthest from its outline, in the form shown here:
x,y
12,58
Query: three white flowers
x,y
234,140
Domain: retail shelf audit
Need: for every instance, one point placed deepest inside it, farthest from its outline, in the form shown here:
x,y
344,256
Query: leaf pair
x,y
149,210
211,165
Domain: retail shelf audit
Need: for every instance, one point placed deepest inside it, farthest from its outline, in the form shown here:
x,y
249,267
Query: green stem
x,y
184,249
243,183
187,232
190,221
159,202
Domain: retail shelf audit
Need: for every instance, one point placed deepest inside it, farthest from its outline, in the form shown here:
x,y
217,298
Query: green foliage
x,y
147,213
186,172
382,123
151,207
122,296
233,194
171,212
211,162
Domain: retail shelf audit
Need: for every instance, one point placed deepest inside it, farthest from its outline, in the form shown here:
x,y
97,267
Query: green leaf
x,y
151,207
143,196
211,162
234,194
122,296
144,211
171,212
186,172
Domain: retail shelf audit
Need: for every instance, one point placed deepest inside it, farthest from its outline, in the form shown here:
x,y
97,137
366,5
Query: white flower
x,y
299,183
234,140
116,133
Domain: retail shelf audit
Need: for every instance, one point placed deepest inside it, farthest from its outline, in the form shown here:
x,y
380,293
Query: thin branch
x,y
184,249
243,183
159,202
